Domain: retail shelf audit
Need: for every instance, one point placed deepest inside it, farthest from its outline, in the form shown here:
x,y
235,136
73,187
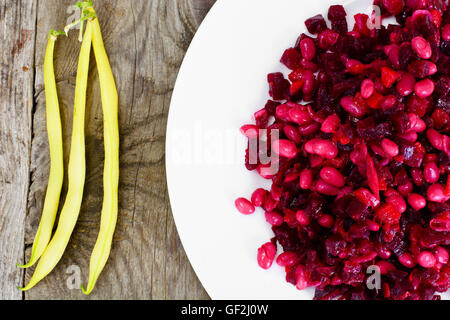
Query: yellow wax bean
x,y
77,172
109,214
55,140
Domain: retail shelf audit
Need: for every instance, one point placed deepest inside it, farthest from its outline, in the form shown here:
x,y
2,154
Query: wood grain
x,y
146,41
17,21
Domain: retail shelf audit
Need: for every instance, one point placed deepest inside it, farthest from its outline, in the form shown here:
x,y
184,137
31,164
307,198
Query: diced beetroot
x,y
387,214
291,58
336,12
412,154
389,77
417,105
340,26
279,86
316,24
375,100
406,56
271,107
367,197
361,24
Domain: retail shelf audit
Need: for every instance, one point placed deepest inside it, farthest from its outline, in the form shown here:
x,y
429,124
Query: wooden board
x,y
17,21
146,41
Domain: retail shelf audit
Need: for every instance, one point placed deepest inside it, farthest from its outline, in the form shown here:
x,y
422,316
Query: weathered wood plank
x,y
17,21
146,41
201,8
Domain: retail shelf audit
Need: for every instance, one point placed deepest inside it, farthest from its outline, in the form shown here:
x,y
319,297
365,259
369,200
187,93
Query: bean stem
x,y
82,5
85,15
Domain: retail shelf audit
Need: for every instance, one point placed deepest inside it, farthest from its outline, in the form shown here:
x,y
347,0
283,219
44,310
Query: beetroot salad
x,y
357,151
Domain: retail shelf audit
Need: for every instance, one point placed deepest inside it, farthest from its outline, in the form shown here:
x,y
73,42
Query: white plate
x,y
221,83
